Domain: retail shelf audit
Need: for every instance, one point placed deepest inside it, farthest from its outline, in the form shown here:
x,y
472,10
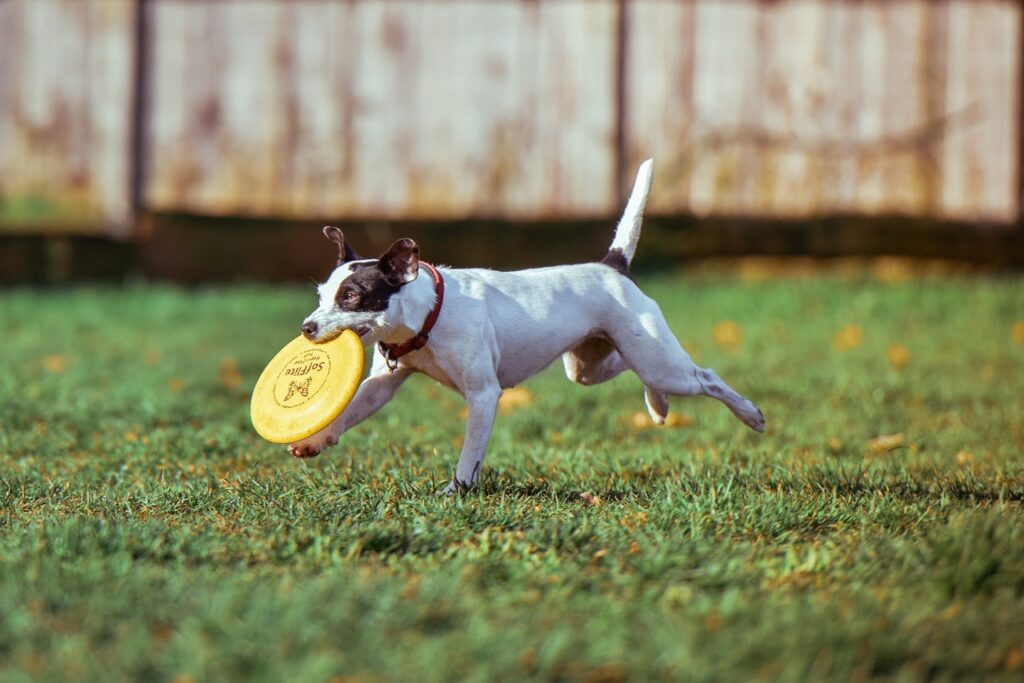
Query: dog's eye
x,y
351,296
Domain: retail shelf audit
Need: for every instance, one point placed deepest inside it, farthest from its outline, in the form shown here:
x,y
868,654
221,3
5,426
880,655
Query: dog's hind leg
x,y
593,361
714,386
650,350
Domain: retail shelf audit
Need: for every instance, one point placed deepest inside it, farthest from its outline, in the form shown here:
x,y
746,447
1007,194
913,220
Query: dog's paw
x,y
755,419
454,488
313,446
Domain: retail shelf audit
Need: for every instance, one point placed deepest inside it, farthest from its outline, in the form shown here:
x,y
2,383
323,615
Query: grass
x,y
146,533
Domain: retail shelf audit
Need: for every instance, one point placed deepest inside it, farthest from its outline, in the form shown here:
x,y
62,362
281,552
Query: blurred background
x,y
199,140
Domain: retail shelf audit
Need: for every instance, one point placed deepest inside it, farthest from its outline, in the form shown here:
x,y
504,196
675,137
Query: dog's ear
x,y
401,262
345,252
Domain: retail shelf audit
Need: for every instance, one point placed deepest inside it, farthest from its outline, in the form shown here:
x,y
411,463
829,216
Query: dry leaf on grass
x,y
728,335
1018,332
55,363
642,420
228,372
899,356
678,420
964,458
886,443
513,399
850,337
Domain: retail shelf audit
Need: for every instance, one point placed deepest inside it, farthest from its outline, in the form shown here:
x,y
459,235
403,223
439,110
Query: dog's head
x,y
360,293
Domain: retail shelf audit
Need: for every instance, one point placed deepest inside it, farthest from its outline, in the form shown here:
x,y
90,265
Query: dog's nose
x,y
309,328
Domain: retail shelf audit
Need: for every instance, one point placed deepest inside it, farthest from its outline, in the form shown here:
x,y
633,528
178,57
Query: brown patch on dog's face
x,y
371,284
358,293
366,289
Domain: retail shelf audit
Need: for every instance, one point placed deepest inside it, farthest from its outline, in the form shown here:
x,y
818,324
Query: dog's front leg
x,y
483,407
373,393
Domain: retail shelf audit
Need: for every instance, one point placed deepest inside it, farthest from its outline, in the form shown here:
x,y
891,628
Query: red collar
x,y
392,352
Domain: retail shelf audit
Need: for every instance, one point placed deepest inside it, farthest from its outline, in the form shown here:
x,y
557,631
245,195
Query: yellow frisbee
x,y
305,387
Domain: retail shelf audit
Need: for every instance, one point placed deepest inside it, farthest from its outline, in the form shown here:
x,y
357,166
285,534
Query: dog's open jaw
x,y
359,294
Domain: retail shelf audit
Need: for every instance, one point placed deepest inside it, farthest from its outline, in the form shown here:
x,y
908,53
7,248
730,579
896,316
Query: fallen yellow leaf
x,y
964,458
713,621
642,420
886,443
631,520
678,420
55,363
176,384
228,372
1018,332
1014,659
850,337
514,398
898,356
727,334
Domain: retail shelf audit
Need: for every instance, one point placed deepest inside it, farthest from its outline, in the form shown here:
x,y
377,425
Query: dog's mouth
x,y
360,330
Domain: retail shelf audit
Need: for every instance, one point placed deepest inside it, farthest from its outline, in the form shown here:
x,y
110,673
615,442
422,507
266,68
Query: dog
x,y
481,331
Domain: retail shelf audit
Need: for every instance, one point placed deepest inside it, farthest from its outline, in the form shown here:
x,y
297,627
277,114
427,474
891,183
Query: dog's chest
x,y
425,362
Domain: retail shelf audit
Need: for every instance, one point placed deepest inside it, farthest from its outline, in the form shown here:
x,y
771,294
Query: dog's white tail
x,y
627,234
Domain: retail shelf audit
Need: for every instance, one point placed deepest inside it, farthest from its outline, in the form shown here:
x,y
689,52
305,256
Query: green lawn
x,y
149,534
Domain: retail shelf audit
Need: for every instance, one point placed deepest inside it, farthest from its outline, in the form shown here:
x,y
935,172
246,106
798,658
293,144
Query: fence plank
x,y
981,157
801,108
65,98
426,109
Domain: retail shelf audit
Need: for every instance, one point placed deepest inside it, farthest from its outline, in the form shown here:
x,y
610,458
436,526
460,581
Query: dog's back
x,y
533,316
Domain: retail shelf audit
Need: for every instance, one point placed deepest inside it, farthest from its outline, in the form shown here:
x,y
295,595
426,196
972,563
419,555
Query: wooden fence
x,y
450,109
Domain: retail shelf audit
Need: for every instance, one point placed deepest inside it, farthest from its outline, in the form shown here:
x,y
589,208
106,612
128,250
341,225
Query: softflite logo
x,y
302,378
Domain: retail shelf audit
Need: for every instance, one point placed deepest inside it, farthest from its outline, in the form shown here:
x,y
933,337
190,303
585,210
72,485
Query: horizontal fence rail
x,y
453,109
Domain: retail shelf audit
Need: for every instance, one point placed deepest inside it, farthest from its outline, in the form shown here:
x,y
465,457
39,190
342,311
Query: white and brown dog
x,y
480,331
